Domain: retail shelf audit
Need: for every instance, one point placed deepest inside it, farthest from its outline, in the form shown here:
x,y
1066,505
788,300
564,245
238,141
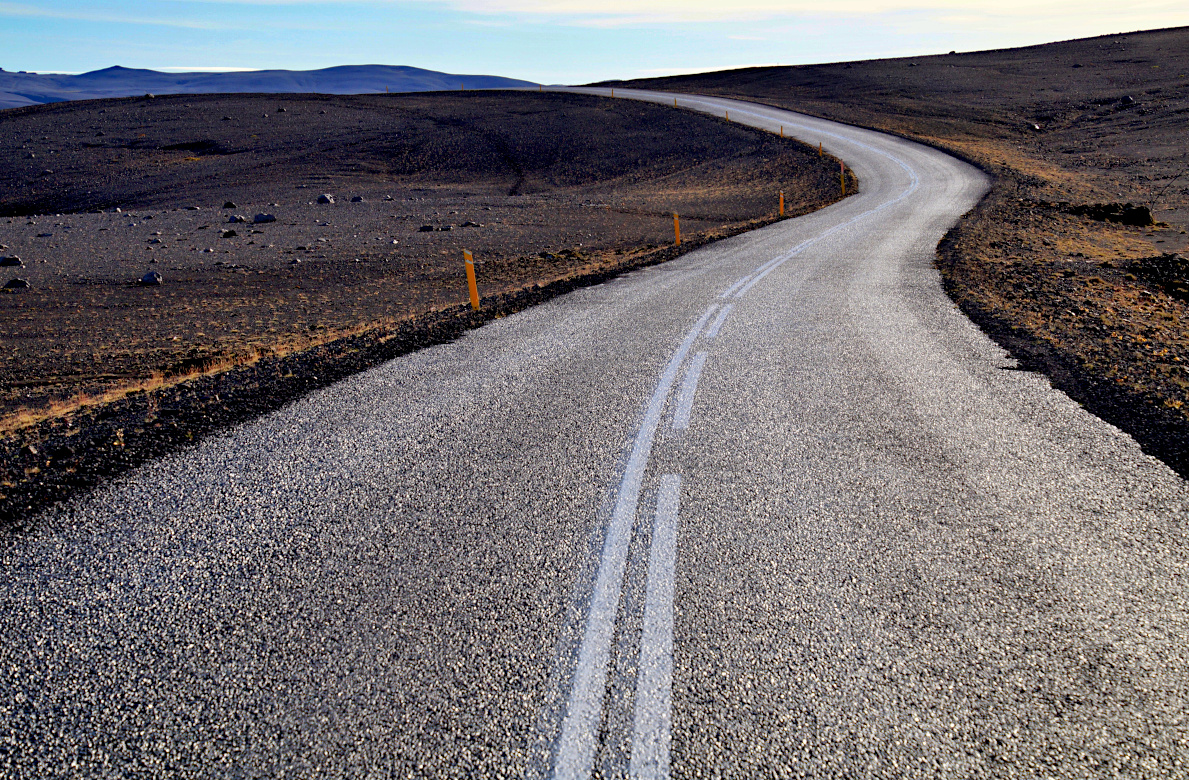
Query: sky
x,y
546,41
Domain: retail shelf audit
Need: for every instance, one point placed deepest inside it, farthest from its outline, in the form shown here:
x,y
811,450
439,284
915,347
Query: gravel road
x,y
773,509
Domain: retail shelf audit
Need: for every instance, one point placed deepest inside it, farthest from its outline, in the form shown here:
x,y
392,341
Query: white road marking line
x,y
735,286
689,387
654,682
742,110
580,728
775,263
718,321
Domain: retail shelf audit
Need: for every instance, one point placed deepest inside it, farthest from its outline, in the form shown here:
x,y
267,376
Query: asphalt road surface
x,y
774,509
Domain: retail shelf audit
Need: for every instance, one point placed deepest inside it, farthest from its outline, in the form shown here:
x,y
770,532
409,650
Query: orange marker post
x,y
842,176
470,263
819,148
782,131
782,203
676,229
728,115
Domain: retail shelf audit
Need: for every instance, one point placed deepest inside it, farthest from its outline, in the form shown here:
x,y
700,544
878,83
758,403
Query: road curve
x,y
772,509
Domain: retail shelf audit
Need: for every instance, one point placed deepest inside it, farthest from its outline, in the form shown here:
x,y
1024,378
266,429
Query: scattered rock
x,y
260,219
280,110
229,234
1127,100
326,199
228,205
470,224
237,219
425,229
11,262
225,119
45,235
16,284
188,208
64,452
151,279
387,197
357,199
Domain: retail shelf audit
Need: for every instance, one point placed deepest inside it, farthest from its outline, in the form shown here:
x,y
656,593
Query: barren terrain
x,y
547,190
1044,265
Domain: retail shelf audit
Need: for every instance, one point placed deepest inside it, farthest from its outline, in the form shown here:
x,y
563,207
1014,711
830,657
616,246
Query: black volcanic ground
x,y
514,177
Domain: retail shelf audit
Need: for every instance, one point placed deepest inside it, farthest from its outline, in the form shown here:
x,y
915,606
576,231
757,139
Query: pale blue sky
x,y
551,41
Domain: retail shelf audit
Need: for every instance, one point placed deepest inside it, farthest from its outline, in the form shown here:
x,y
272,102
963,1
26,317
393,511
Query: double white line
x,y
579,732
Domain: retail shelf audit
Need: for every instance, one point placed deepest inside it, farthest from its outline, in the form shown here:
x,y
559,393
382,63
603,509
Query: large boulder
x,y
1122,213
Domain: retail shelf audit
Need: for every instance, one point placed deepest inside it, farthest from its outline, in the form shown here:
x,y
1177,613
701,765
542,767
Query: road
x,y
773,509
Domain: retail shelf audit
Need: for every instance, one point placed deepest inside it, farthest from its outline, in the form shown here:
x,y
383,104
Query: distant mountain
x,y
23,89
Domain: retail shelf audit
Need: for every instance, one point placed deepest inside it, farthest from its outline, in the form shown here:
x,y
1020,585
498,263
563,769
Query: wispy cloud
x,y
172,21
79,15
652,11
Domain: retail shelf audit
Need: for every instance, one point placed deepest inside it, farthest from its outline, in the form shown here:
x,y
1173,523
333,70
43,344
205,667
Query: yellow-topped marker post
x,y
782,203
470,263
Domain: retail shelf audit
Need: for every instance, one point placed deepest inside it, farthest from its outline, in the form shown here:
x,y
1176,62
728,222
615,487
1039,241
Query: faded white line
x,y
689,387
712,331
654,682
775,263
579,732
766,121
735,286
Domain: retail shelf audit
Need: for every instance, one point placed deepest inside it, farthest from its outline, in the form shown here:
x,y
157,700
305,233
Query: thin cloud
x,y
103,17
28,11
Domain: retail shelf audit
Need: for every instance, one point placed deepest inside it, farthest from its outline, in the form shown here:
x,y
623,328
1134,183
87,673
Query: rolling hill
x,y
24,89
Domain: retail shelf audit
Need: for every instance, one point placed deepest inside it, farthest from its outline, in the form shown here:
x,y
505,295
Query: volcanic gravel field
x,y
219,195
